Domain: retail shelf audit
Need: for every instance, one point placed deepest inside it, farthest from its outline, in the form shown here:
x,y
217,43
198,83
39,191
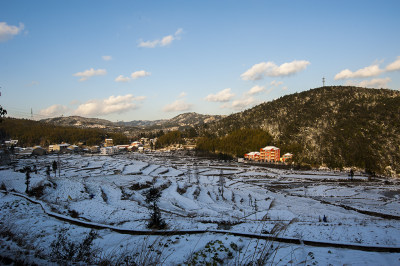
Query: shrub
x,y
65,250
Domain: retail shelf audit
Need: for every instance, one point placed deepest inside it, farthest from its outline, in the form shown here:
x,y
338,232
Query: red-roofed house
x,y
270,154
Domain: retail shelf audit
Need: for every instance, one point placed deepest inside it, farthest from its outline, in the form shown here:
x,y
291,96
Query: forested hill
x,y
338,126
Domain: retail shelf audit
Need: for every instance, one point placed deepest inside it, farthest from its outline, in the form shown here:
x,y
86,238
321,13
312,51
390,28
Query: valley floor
x,y
216,211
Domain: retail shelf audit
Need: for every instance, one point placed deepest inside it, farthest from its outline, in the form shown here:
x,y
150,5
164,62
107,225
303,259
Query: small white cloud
x,y
112,104
164,41
7,32
121,78
54,110
369,71
373,83
148,44
178,32
85,75
276,83
255,90
284,88
167,40
394,66
259,71
182,95
107,57
222,96
177,106
140,74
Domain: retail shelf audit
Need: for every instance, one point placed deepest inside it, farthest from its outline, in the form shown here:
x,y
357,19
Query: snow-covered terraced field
x,y
201,194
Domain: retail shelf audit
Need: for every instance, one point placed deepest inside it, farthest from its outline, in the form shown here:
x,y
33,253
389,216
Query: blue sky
x,y
147,60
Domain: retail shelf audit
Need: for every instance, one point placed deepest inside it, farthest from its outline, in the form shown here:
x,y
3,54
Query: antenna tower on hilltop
x,y
323,81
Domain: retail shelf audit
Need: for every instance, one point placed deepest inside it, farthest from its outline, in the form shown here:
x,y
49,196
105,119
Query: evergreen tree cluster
x,y
237,143
31,133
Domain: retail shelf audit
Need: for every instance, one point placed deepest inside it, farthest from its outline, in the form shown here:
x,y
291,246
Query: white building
x,y
109,150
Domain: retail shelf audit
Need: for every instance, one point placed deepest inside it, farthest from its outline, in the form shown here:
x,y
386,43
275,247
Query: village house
x,y
73,148
270,154
252,156
286,157
136,144
108,143
10,143
123,147
109,150
58,147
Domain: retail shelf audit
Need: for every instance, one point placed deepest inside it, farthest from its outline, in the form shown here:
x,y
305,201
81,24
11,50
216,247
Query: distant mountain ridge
x,y
79,121
181,121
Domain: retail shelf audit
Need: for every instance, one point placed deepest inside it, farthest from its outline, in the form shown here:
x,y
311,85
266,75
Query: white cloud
x,y
284,88
394,66
7,32
85,75
177,106
139,74
222,96
255,90
54,110
167,40
183,94
164,41
276,83
369,71
373,83
149,44
107,57
259,71
112,104
121,78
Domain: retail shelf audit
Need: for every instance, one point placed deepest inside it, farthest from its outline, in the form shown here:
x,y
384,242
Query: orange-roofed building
x,y
270,154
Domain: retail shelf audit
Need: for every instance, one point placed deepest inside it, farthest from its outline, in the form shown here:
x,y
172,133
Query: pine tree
x,y
152,197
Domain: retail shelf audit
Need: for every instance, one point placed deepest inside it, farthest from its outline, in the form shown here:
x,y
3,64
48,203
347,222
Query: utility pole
x,y
31,114
323,81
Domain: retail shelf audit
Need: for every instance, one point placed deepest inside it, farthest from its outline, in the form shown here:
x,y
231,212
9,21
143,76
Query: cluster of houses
x,y
107,148
269,154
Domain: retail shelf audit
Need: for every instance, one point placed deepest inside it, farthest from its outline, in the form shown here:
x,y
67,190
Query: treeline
x,y
236,143
31,133
174,137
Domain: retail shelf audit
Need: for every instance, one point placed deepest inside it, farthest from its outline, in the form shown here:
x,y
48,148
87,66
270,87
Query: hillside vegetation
x,y
237,143
334,126
30,133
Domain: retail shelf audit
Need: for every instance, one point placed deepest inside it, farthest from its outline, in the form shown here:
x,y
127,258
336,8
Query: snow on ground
x,y
315,205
